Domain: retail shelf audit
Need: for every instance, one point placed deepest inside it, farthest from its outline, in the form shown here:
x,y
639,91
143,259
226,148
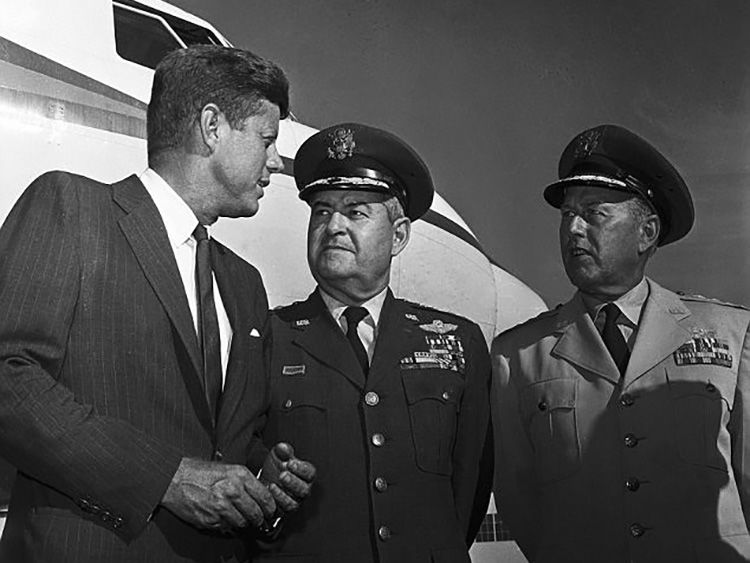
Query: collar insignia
x,y
342,143
411,317
439,327
301,322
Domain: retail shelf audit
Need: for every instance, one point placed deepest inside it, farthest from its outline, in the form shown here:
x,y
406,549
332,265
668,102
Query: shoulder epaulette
x,y
697,298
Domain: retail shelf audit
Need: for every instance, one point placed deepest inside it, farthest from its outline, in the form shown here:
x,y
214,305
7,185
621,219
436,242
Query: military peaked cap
x,y
610,156
352,156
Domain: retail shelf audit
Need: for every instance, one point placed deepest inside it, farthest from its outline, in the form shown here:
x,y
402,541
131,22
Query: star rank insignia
x,y
342,143
439,327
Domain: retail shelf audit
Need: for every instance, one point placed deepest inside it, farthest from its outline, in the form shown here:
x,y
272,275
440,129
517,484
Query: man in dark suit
x,y
389,399
621,415
132,344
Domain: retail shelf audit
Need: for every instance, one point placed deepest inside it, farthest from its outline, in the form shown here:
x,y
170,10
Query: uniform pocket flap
x,y
298,396
439,385
550,394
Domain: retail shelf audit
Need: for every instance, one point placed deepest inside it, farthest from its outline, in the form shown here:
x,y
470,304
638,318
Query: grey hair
x,y
640,211
394,208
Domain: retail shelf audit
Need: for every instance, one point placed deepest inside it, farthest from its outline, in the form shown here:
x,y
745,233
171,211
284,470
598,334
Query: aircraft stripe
x,y
117,122
25,58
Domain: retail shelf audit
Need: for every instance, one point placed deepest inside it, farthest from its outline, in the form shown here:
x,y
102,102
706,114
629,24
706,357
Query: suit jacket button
x,y
378,439
542,406
218,456
288,404
630,440
372,398
636,530
384,533
627,400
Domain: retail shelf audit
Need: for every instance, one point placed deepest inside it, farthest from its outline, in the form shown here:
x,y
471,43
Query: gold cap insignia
x,y
342,143
587,142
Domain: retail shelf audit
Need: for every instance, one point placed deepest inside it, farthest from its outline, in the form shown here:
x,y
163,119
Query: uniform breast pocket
x,y
298,415
702,399
550,408
433,397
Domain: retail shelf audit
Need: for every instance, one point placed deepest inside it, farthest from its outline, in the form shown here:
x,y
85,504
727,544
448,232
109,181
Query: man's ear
x,y
401,233
649,233
208,123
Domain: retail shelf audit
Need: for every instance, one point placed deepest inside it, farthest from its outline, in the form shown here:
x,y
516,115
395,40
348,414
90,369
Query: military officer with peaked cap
x,y
621,417
389,399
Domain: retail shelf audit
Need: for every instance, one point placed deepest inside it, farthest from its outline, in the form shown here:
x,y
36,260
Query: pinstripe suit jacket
x,y
100,392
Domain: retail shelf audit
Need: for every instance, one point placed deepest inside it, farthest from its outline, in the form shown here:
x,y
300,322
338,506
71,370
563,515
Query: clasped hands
x,y
223,497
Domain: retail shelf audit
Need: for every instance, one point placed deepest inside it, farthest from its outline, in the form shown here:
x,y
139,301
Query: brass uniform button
x,y
378,439
372,398
630,440
381,484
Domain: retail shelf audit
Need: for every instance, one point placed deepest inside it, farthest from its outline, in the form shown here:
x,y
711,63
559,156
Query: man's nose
x,y
574,224
336,223
274,163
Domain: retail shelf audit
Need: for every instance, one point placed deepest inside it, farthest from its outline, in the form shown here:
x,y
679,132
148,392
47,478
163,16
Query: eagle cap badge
x,y
341,143
587,143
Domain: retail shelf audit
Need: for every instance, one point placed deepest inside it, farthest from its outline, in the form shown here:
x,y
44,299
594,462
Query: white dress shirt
x,y
368,327
180,222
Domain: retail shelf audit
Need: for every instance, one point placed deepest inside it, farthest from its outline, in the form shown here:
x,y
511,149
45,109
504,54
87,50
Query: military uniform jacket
x,y
397,454
100,387
653,468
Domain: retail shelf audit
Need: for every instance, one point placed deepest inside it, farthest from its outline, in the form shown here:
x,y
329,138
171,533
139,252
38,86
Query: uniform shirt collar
x,y
374,306
630,303
178,218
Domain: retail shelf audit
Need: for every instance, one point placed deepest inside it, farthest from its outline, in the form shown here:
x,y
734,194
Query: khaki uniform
x,y
653,468
397,453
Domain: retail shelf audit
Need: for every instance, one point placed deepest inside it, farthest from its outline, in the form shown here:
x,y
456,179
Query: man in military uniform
x,y
389,399
620,416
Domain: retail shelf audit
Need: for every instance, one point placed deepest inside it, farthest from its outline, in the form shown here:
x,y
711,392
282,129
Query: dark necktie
x,y
353,317
208,321
613,339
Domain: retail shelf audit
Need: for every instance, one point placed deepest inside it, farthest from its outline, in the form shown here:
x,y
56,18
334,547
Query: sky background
x,y
490,92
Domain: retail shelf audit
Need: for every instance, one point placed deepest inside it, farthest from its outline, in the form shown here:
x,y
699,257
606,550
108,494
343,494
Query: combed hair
x,y
640,210
236,80
394,208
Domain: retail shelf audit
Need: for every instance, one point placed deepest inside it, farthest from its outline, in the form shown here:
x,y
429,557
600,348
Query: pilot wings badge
x,y
439,327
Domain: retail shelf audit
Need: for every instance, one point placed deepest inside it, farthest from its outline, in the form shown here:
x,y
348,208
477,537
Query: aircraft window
x,y
142,38
187,33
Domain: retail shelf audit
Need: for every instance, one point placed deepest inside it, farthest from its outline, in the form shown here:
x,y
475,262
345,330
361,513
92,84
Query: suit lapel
x,y
581,344
241,368
320,336
659,331
144,230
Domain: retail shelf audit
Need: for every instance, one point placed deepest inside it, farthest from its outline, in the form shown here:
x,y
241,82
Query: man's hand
x,y
288,478
216,496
